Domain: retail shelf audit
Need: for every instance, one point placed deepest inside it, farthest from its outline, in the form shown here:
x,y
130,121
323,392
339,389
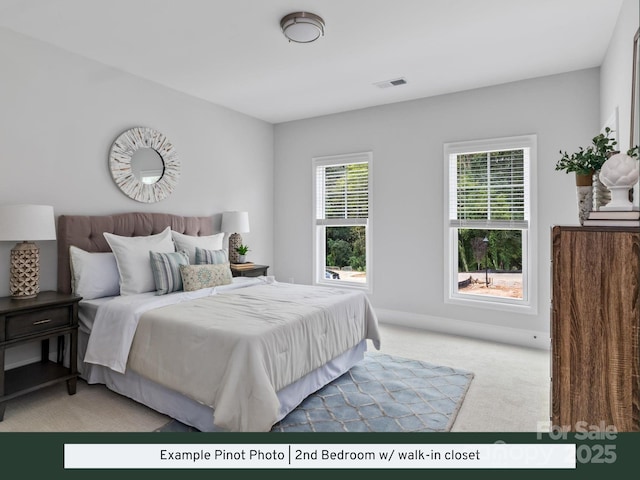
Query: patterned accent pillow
x,y
166,270
195,277
204,256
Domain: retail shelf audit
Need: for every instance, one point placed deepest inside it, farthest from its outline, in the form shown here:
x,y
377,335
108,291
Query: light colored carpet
x,y
93,408
509,392
511,385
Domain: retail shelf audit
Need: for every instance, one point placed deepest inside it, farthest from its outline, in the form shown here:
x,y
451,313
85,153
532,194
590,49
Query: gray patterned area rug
x,y
382,393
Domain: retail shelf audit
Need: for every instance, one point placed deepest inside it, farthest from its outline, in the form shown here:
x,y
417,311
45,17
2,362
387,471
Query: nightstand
x,y
251,270
49,315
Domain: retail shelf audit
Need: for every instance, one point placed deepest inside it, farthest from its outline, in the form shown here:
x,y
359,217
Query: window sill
x,y
494,304
365,287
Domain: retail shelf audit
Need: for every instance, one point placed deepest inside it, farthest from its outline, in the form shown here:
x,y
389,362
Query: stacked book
x,y
239,266
613,218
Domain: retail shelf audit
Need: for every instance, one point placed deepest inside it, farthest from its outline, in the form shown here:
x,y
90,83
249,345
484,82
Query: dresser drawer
x,y
32,323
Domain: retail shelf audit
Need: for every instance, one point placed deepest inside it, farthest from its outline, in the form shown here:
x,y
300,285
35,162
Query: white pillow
x,y
132,257
188,243
93,275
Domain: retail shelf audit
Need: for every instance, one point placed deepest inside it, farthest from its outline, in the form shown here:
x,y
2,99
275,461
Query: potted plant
x,y
586,163
242,253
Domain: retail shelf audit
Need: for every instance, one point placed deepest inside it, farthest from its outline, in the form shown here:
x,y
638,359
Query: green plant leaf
x,y
242,249
589,159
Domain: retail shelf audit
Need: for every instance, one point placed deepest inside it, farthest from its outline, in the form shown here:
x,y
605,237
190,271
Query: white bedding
x,y
115,322
299,328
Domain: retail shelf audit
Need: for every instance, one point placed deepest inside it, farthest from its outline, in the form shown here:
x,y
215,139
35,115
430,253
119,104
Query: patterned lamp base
x,y
235,240
25,271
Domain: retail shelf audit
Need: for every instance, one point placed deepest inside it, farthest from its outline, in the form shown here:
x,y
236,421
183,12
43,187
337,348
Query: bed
x,y
236,356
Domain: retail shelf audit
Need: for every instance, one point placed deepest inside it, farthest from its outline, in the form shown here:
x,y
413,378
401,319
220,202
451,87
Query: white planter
x,y
584,189
585,202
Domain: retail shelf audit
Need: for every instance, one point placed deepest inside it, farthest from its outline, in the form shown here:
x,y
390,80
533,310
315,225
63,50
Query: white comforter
x,y
234,349
116,321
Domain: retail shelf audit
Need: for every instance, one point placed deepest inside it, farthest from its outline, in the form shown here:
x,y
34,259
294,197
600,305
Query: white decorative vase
x,y
242,258
601,194
619,174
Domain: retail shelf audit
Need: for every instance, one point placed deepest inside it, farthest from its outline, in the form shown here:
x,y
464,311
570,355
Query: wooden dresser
x,y
594,328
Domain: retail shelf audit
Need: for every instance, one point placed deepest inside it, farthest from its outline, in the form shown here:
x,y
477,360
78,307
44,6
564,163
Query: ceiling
x,y
233,53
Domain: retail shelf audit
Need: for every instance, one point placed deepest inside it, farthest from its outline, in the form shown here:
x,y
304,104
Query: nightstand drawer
x,y
29,323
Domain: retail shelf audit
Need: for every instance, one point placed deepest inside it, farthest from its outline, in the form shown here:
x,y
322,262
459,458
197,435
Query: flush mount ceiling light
x,y
302,27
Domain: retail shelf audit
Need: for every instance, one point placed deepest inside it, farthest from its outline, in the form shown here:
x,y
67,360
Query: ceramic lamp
x,y
24,224
619,174
235,223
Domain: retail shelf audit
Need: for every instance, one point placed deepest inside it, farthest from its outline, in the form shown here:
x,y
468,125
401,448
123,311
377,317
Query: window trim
x,y
318,230
529,303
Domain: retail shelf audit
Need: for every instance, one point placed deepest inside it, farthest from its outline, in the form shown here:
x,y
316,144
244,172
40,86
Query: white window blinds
x,y
342,193
487,189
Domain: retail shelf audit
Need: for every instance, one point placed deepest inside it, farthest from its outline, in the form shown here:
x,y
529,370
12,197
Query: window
x,y
489,232
342,207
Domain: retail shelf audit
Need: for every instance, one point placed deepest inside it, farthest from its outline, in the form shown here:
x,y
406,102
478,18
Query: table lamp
x,y
235,223
25,224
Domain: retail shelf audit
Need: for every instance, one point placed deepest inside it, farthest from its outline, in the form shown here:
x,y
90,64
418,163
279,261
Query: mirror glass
x,y
147,165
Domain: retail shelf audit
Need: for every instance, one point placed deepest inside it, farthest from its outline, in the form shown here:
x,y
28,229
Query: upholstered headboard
x,y
86,232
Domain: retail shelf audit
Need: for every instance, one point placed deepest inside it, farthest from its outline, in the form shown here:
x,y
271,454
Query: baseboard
x,y
483,331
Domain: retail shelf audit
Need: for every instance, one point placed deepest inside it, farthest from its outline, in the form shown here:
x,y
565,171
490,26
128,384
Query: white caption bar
x,y
500,455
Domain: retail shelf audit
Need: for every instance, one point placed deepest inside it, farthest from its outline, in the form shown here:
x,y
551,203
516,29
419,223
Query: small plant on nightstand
x,y
242,253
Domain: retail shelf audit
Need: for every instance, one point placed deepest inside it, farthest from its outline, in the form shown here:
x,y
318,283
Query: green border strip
x,y
41,454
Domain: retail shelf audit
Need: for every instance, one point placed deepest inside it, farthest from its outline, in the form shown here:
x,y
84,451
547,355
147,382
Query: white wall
x,y
407,143
615,73
60,113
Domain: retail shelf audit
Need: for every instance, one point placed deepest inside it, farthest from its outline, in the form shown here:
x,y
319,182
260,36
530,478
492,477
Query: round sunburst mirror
x,y
144,164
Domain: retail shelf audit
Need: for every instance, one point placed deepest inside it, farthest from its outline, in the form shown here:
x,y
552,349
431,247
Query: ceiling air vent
x,y
391,83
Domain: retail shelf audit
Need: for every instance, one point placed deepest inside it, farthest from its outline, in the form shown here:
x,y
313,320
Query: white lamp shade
x,y
27,223
235,222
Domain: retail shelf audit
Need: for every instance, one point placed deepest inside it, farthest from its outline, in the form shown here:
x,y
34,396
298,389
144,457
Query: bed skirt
x,y
190,412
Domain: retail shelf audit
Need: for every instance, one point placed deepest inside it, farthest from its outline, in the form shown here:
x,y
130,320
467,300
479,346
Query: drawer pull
x,y
40,322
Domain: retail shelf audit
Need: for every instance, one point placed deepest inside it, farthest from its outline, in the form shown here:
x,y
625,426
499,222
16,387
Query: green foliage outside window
x,y
346,247
503,252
